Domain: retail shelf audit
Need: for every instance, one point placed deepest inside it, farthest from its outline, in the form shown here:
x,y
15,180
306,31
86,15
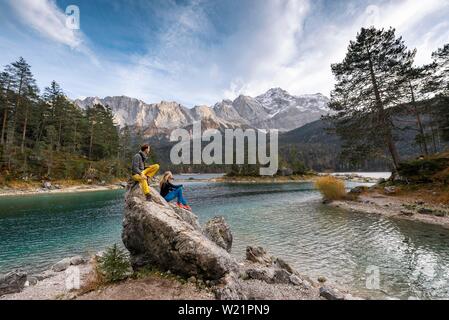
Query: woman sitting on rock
x,y
170,191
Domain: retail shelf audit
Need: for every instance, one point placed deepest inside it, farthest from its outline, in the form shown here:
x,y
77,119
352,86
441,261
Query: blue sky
x,y
199,52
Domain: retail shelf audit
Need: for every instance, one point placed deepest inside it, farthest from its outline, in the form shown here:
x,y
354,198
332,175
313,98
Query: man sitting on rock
x,y
140,173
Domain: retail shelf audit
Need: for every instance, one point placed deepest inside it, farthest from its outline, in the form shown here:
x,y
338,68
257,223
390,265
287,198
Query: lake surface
x,y
287,219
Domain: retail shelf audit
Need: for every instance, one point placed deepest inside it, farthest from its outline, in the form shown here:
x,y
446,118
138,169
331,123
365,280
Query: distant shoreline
x,y
10,192
22,189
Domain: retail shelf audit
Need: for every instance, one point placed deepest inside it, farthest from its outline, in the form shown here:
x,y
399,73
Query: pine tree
x,y
5,108
24,86
417,79
369,82
441,71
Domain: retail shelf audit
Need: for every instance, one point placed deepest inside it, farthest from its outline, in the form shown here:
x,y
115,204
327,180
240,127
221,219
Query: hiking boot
x,y
187,207
149,197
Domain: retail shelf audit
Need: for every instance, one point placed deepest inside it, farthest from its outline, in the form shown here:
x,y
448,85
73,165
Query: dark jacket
x,y
167,187
138,164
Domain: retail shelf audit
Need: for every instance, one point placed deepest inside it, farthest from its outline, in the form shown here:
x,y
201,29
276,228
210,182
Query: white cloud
x,y
271,49
328,44
49,21
271,45
187,68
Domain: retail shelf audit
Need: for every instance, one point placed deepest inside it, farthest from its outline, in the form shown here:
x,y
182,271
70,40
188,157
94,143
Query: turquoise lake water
x,y
287,219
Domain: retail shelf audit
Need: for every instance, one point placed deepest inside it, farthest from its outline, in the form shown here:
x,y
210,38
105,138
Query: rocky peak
x,y
275,109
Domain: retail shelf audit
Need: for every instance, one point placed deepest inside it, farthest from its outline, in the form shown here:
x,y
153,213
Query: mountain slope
x,y
276,109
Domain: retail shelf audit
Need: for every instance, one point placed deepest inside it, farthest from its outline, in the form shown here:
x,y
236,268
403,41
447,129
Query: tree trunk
x,y
22,145
74,138
5,116
16,108
59,135
91,140
385,123
418,120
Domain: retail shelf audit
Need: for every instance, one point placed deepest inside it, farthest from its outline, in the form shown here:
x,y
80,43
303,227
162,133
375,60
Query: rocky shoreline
x,y
162,236
264,278
396,207
58,189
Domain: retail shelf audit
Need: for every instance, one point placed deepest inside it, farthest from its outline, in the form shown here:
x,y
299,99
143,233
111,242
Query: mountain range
x,y
275,109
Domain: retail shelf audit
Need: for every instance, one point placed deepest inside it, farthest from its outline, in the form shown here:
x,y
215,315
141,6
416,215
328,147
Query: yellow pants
x,y
149,172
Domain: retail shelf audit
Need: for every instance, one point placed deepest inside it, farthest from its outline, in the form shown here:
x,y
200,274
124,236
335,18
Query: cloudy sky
x,y
201,51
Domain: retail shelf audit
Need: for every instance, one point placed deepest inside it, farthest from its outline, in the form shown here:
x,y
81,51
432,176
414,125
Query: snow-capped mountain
x,y
275,109
287,112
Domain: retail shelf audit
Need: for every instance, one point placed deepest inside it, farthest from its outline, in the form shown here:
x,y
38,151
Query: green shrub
x,y
114,264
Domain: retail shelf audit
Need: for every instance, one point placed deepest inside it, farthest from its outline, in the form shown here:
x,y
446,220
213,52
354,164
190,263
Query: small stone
x,y
307,285
77,260
45,275
32,281
61,265
390,190
407,213
322,279
439,213
99,254
258,255
46,185
283,265
192,279
358,190
351,297
425,211
294,279
281,276
330,294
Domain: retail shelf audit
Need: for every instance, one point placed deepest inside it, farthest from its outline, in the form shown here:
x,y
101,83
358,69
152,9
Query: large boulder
x,y
158,235
12,282
219,232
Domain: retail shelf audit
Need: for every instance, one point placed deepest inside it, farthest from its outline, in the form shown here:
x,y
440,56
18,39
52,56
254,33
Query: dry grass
x,y
331,188
436,195
94,281
22,185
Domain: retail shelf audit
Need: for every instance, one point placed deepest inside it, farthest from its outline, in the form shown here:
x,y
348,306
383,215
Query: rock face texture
x,y
219,232
157,235
275,109
12,282
262,276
